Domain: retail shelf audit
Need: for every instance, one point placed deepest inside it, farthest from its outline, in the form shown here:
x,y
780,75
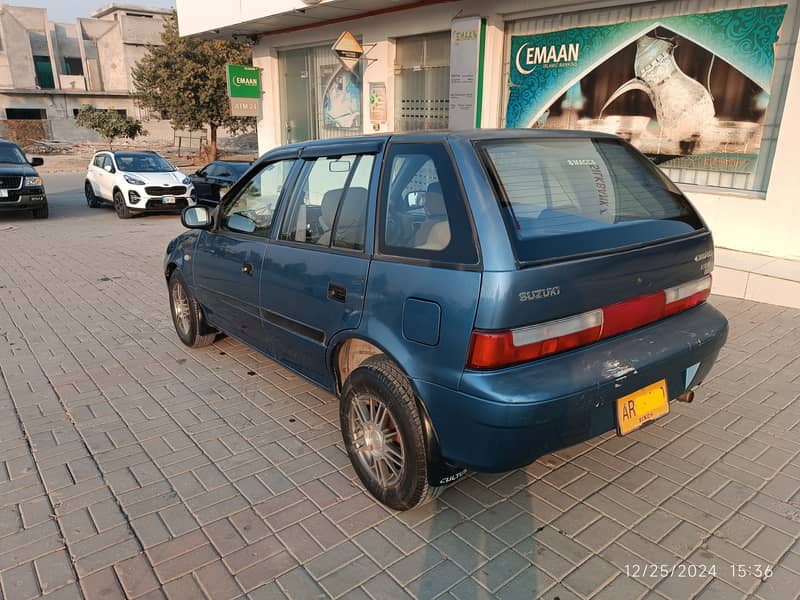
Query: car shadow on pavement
x,y
481,540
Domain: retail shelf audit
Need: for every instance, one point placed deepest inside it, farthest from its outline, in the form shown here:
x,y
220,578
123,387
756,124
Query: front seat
x,y
330,202
434,231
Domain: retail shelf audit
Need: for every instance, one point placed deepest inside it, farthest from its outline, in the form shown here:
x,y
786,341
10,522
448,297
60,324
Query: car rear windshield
x,y
238,169
563,197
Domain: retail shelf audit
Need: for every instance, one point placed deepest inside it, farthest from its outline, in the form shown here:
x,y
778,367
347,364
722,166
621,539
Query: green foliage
x,y
109,124
185,79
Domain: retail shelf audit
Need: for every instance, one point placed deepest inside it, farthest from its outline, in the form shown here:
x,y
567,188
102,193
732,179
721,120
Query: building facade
x,y
49,70
703,87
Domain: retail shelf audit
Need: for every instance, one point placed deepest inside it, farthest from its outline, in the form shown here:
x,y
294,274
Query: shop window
x,y
701,94
26,113
320,99
422,81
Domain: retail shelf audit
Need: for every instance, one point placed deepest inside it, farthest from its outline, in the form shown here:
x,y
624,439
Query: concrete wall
x,y
62,126
17,49
111,57
141,30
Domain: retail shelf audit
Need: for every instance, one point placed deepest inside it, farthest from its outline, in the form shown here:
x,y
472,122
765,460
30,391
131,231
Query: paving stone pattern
x,y
133,467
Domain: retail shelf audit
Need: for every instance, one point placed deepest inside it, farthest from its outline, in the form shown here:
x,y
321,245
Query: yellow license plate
x,y
642,406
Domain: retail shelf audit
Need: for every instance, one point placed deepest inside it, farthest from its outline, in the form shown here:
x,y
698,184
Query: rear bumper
x,y
501,420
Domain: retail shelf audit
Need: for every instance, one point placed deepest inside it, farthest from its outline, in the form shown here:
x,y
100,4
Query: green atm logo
x,y
243,81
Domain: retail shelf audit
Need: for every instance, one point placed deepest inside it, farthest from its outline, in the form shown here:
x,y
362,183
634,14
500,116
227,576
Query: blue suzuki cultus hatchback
x,y
474,299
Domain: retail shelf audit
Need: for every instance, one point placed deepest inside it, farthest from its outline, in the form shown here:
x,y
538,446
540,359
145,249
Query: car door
x,y
315,269
228,259
203,185
107,173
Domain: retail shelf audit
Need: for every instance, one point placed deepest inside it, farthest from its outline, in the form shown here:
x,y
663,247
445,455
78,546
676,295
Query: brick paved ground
x,y
132,467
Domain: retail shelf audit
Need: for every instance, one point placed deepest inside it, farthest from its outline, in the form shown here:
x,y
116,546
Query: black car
x,y
212,181
21,188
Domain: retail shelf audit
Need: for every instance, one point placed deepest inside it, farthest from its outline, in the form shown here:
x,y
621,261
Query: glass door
x,y
319,98
296,96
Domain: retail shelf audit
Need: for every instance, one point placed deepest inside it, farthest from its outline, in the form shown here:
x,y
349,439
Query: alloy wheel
x,y
181,308
376,439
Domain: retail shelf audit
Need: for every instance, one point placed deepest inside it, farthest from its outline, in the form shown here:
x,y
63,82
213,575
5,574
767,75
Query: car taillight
x,y
686,295
495,349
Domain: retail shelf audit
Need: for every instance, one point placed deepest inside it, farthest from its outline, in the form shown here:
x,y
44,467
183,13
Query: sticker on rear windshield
x,y
583,162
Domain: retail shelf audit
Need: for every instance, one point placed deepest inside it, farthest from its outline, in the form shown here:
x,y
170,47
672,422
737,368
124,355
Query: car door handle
x,y
337,292
247,268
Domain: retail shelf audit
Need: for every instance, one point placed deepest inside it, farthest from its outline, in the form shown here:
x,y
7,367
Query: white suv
x,y
136,182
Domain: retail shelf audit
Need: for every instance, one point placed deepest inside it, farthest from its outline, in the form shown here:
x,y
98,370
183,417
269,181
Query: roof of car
x,y
443,134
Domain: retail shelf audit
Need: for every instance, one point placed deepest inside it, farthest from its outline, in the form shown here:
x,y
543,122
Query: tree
x,y
185,79
109,123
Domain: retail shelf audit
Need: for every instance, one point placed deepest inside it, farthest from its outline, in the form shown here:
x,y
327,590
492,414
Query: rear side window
x,y
563,197
423,214
98,161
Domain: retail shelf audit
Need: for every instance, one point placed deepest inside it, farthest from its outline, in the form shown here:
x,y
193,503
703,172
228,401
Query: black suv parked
x,y
21,188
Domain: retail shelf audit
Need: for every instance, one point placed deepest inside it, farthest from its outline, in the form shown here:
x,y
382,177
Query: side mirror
x,y
199,173
37,161
196,217
240,223
108,169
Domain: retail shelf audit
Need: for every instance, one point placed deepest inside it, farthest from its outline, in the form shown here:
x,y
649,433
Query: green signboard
x,y
243,81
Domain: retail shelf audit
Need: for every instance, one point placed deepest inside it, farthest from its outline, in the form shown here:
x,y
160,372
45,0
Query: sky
x,y
68,10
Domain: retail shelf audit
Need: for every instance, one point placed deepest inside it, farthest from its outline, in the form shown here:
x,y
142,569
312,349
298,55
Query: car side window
x,y
328,207
107,162
252,209
98,161
422,210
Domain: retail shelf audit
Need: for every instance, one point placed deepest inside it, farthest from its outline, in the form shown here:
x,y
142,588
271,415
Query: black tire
x,y
41,213
119,206
92,200
399,483
188,318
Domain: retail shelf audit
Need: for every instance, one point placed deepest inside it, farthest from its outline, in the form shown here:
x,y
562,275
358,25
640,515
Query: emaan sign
x,y
530,57
244,81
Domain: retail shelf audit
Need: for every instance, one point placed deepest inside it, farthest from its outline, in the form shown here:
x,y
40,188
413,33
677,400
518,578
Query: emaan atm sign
x,y
244,90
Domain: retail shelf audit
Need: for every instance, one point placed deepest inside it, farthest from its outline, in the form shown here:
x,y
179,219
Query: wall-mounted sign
x,y
243,81
244,107
690,91
466,72
377,102
348,50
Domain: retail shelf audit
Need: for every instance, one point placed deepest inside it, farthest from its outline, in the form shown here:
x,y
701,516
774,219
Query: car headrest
x,y
434,201
352,219
330,201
